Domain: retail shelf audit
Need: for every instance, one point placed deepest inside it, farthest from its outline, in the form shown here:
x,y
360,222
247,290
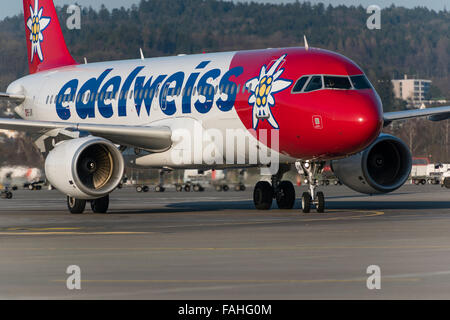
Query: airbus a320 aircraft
x,y
85,116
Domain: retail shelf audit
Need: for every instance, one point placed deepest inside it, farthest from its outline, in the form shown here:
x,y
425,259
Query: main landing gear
x,y
77,206
310,170
282,191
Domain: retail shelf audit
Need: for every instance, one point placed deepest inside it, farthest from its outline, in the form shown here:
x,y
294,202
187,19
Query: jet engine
x,y
382,168
86,168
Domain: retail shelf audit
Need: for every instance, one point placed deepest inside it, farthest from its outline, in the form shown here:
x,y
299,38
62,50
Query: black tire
x,y
145,189
187,188
139,189
306,202
286,196
320,207
263,195
447,183
100,205
196,188
243,187
179,188
76,206
9,195
226,188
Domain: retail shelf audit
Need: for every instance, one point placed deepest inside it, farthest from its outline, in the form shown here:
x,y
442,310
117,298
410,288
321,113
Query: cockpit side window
x,y
336,82
300,84
361,82
314,84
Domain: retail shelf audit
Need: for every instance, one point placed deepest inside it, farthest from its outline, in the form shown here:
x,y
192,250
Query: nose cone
x,y
362,122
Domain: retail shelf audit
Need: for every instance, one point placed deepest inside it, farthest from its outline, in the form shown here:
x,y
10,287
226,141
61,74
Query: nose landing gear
x,y
311,169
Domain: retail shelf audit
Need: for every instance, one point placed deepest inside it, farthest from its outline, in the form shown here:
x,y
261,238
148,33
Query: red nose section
x,y
359,122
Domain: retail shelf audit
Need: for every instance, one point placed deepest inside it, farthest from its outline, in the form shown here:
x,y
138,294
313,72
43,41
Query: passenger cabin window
x,y
361,82
300,84
335,82
314,84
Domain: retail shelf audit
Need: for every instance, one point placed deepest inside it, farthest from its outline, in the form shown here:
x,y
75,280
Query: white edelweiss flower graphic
x,y
263,89
36,23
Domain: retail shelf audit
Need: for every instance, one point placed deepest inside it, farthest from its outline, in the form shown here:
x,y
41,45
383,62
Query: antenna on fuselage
x,y
142,54
306,43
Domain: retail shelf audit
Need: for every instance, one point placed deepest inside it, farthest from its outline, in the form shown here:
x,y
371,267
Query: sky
x,y
15,6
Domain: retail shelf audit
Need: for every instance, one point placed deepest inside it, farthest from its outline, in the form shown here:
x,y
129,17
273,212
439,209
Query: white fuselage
x,y
184,93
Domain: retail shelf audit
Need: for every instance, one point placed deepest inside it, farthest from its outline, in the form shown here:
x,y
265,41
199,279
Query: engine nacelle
x,y
86,168
382,168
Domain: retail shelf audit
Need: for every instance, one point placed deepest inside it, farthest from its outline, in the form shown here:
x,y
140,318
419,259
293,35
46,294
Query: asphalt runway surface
x,y
215,245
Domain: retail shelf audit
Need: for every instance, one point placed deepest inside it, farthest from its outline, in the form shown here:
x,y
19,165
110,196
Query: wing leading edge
x,y
13,99
153,139
434,114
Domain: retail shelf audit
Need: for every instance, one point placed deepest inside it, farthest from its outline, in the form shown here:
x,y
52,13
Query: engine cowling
x,y
86,168
382,168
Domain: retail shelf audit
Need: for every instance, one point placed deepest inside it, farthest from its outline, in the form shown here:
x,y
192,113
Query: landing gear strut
x,y
160,187
282,191
311,169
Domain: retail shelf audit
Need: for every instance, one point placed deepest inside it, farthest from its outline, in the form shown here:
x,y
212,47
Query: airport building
x,y
414,91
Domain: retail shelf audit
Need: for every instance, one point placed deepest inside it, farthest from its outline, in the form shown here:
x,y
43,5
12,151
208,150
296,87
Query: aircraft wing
x,y
434,114
153,139
13,99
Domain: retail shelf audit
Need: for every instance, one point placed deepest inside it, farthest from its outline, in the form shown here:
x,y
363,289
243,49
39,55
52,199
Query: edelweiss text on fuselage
x,y
98,92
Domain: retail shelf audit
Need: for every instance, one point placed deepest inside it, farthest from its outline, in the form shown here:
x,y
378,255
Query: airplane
x,y
317,105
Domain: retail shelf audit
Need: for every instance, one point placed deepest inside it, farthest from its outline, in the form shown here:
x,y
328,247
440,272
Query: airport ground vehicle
x,y
423,172
445,179
291,106
5,193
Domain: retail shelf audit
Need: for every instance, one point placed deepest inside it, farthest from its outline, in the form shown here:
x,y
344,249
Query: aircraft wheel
x,y
263,195
447,183
320,202
139,189
226,188
306,202
187,188
100,205
286,195
145,189
179,188
196,188
76,206
9,195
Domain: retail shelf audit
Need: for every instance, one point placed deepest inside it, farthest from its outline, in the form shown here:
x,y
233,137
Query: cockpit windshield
x,y
361,82
314,84
334,82
311,83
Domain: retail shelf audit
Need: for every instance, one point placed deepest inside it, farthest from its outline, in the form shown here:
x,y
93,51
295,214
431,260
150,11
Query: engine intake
x,y
382,168
86,168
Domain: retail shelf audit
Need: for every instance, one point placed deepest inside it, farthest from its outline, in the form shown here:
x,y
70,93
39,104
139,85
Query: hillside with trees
x,y
411,41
